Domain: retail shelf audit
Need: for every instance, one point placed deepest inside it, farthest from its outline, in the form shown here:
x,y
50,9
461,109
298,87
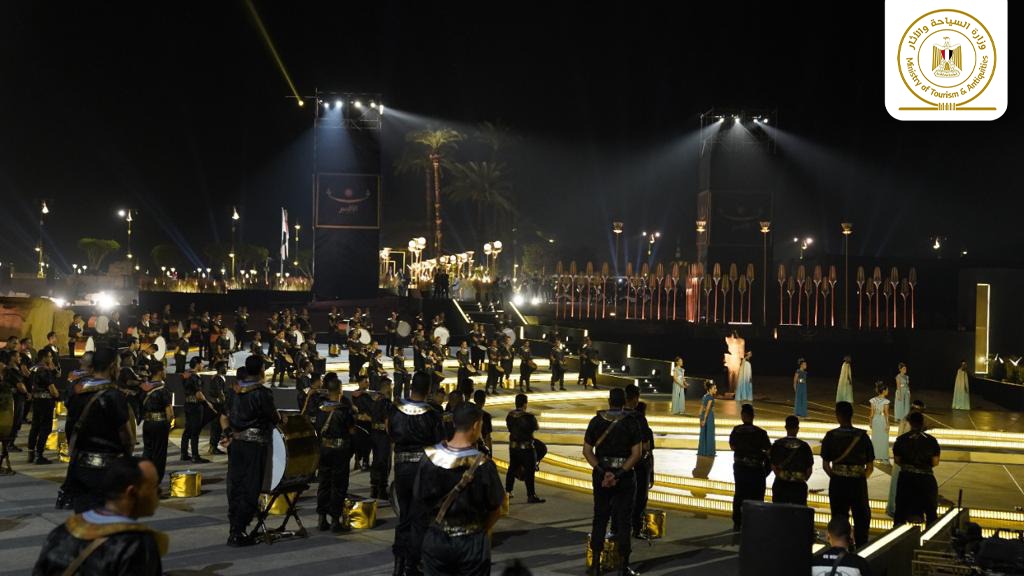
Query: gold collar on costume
x,y
612,415
82,529
448,458
517,413
410,408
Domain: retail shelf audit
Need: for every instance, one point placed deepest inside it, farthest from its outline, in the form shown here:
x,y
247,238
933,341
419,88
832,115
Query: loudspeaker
x,y
776,539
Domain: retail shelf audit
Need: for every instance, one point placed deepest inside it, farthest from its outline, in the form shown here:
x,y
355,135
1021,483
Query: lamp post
x,y
804,244
617,228
651,239
295,262
766,227
847,231
43,211
488,249
495,250
234,222
701,246
126,215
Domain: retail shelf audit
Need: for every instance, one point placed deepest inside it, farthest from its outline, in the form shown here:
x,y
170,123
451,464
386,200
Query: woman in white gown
x,y
678,386
844,390
962,389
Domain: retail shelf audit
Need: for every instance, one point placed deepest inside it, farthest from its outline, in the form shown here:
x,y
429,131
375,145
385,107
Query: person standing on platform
x,y
157,414
894,476
413,425
508,355
678,387
16,376
460,491
557,366
644,469
215,392
612,445
485,444
879,418
380,442
42,381
401,375
362,403
706,442
844,389
391,332
195,406
745,381
901,407
494,376
848,459
522,452
74,331
750,446
793,462
917,454
526,367
251,415
961,389
334,423
800,389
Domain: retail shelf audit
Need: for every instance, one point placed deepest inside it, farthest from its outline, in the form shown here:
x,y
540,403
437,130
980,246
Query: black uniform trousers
x,y
524,378
280,369
916,495
380,443
389,343
399,388
750,485
788,492
493,379
361,445
246,462
214,419
154,445
179,363
527,458
412,521
193,425
333,474
643,472
476,356
557,377
617,500
20,404
506,365
445,555
84,486
851,494
42,424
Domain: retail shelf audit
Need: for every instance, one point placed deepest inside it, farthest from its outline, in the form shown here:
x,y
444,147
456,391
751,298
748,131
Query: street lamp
x,y
651,239
126,215
234,221
766,227
495,250
804,245
296,261
43,211
617,228
847,231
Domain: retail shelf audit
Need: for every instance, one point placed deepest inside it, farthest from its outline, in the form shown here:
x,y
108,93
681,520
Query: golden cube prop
x,y
610,558
654,523
54,440
280,507
187,484
503,511
361,514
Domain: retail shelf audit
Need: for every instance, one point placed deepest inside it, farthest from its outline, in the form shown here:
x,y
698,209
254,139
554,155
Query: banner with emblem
x,y
347,201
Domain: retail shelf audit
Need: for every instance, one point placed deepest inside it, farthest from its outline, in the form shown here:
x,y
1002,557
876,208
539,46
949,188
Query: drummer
x,y
362,401
356,357
251,415
401,375
334,423
75,332
391,329
508,355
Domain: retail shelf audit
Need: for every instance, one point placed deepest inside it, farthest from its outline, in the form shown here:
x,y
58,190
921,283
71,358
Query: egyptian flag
x,y
284,234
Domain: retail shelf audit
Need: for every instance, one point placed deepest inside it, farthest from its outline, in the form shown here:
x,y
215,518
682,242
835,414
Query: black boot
x,y
322,523
399,566
625,570
340,525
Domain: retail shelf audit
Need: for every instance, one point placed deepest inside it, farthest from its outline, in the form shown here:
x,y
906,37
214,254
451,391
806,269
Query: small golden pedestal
x,y
187,484
610,558
280,507
362,514
654,523
55,439
60,409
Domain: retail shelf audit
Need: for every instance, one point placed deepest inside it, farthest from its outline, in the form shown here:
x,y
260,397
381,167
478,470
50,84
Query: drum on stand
x,y
299,338
230,337
294,455
161,348
364,336
90,345
102,325
442,333
404,329
510,333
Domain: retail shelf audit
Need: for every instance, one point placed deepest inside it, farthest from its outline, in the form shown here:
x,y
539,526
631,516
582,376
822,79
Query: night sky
x,y
179,111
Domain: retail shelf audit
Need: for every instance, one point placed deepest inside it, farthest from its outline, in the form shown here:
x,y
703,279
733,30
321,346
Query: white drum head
x,y
442,333
102,325
278,460
299,338
364,336
90,346
230,336
510,333
403,329
161,348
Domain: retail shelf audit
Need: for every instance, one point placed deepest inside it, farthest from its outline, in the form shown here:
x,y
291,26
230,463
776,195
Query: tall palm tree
x,y
436,141
485,185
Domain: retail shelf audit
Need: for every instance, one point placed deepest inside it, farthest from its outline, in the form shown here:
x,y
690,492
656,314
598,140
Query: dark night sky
x,y
178,110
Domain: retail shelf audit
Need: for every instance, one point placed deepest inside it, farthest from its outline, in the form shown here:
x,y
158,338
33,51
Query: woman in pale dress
x,y
706,443
678,386
879,418
800,389
745,384
961,389
844,390
901,407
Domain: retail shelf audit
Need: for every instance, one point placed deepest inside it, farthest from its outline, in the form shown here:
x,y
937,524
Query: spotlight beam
x,y
273,51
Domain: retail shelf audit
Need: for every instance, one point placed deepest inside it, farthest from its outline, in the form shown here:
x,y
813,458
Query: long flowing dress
x,y
961,391
901,407
678,392
744,385
800,401
844,390
706,444
880,428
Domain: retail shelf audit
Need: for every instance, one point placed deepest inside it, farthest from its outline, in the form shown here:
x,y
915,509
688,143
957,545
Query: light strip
x,y
946,519
459,308
516,310
892,536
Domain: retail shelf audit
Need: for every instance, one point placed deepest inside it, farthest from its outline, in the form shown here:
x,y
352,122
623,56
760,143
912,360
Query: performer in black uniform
x,y
461,493
793,463
917,453
391,328
413,425
278,351
848,459
42,381
74,331
478,346
380,412
494,368
195,407
401,375
16,377
557,365
157,416
750,446
526,367
522,458
613,444
110,539
362,402
507,359
485,445
464,382
334,423
100,430
644,469
215,395
251,415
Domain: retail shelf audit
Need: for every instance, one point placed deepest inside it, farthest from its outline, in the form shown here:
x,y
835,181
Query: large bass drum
x,y
403,329
293,455
161,348
442,333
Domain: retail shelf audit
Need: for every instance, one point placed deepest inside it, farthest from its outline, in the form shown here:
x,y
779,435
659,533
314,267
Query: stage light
x,y
736,118
327,105
359,104
809,240
937,245
963,252
764,121
380,108
337,104
234,213
105,301
796,240
60,302
121,213
373,104
45,209
535,301
518,300
301,103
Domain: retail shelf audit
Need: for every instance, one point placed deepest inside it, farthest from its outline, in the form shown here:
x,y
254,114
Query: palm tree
x,y
485,185
435,141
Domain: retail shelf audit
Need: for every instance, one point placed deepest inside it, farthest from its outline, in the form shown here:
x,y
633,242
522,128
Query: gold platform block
x,y
503,511
187,484
60,409
654,523
610,558
361,514
55,439
280,507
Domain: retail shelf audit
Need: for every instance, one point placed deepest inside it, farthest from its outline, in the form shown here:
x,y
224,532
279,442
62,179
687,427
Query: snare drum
x,y
294,455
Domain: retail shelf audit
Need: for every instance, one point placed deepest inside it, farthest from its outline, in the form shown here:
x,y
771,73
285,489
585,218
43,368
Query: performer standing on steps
x,y
521,449
526,367
557,365
195,402
334,423
156,420
750,446
793,463
42,382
